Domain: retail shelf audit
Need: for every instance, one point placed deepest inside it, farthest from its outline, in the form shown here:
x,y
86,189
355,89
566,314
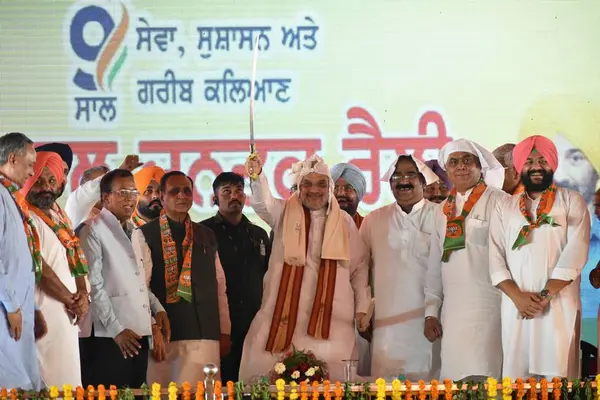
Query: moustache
x,y
154,203
404,186
439,198
345,199
232,202
537,171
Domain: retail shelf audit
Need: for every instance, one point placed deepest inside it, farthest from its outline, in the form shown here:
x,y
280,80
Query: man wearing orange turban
x,y
538,247
147,182
63,297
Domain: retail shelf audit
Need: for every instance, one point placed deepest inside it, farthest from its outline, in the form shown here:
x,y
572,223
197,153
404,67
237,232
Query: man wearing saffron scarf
x,y
63,297
512,180
147,181
398,239
21,260
538,247
187,277
317,281
349,189
458,287
438,190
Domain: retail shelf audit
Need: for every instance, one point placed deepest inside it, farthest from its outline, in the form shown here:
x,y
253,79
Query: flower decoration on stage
x,y
299,366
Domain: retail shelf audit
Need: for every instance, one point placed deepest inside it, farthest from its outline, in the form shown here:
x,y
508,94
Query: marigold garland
x,y
218,390
303,390
230,389
13,394
556,388
53,392
408,394
447,389
280,384
315,390
90,392
492,388
326,388
172,389
520,388
3,394
397,389
79,393
435,393
506,389
293,390
544,388
532,395
380,382
422,394
337,391
200,390
101,392
156,391
113,392
187,391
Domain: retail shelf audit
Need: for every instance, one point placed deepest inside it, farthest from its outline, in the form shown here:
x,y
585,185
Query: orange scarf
x,y
519,189
77,261
33,238
179,285
543,209
455,226
137,220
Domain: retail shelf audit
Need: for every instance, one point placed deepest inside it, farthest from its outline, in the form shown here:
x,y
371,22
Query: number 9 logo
x,y
102,53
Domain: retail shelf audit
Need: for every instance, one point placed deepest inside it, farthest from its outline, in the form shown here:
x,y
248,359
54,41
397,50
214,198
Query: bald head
x,y
504,154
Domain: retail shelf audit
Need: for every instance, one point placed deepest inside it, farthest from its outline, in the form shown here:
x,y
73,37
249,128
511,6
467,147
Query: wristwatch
x,y
546,294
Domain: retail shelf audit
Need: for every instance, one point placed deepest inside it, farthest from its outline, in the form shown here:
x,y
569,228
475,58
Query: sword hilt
x,y
253,155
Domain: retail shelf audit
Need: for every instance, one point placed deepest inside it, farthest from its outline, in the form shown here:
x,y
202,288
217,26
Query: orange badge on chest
x,y
453,230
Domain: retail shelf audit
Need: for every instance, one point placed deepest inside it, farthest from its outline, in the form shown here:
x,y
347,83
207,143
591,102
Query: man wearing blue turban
x,y
350,186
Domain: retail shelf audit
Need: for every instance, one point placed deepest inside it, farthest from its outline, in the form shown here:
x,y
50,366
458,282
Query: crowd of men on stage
x,y
473,271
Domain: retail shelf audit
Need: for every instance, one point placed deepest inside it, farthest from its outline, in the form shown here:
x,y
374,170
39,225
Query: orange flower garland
x,y
3,394
520,388
218,390
187,391
101,392
544,388
408,385
200,390
90,392
303,390
230,390
448,389
422,393
326,392
79,393
556,385
532,395
113,392
434,390
13,394
338,390
315,393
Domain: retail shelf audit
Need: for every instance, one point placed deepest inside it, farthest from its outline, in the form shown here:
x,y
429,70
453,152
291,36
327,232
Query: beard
x,y
42,200
150,210
347,205
548,178
438,199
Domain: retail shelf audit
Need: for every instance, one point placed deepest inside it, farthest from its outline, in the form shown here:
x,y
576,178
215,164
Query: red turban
x,y
45,159
542,144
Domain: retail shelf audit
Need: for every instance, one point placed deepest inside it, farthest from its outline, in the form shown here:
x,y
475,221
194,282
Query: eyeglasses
x,y
467,161
126,193
408,176
344,188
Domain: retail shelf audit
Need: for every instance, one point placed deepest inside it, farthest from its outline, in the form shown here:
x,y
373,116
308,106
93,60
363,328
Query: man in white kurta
x,y
459,288
351,297
538,247
397,237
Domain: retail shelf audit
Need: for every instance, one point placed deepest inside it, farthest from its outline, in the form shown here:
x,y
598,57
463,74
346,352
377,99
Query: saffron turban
x,y
353,175
45,159
62,149
542,144
430,176
312,164
145,175
491,169
434,165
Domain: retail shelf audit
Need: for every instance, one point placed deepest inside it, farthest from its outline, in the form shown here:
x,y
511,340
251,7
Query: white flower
x,y
310,372
296,375
279,368
317,368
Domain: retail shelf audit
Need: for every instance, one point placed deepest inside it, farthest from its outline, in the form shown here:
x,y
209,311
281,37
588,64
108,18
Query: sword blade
x,y
253,94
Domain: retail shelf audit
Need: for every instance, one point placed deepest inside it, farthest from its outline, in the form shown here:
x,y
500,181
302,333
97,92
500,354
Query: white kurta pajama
x,y
352,294
399,246
462,288
61,343
548,344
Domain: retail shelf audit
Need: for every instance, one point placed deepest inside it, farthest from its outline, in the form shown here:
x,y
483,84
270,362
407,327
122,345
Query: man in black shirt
x,y
244,250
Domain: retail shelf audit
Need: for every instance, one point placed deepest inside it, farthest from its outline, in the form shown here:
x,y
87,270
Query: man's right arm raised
x,y
268,208
82,200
